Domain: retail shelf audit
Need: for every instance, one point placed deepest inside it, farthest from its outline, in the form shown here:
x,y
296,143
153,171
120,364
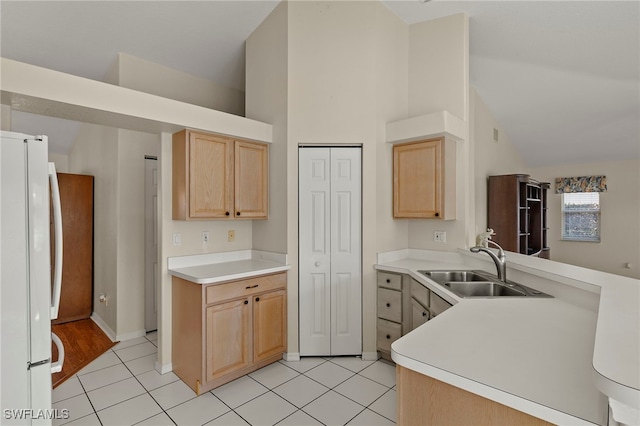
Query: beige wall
x,y
267,101
96,153
439,81
620,218
490,157
149,77
132,148
337,91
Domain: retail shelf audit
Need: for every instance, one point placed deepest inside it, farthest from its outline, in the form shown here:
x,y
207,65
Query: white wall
x,y
620,218
149,77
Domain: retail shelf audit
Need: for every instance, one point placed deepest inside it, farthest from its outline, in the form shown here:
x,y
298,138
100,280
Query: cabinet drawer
x,y
243,288
420,292
388,332
438,305
390,304
387,280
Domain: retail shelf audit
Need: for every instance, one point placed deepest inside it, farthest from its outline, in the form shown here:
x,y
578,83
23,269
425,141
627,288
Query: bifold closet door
x,y
330,281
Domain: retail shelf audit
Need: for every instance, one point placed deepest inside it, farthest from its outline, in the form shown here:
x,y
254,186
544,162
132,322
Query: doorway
x,y
151,243
330,250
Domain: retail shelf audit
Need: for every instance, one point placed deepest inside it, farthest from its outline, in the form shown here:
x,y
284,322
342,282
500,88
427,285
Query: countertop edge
x,y
231,277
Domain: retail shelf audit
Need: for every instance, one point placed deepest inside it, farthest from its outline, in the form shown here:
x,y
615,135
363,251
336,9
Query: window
x,y
581,216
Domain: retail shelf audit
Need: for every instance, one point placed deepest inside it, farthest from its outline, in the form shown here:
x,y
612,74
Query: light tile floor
x,y
122,387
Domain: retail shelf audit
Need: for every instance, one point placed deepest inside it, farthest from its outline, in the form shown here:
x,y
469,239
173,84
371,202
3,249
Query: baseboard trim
x,y
164,368
370,356
104,327
291,356
131,335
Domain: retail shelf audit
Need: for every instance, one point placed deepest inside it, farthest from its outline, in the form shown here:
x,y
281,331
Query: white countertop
x,y
220,267
545,357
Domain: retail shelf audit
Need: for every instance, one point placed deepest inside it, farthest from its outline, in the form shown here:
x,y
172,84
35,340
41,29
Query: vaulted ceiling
x,y
561,77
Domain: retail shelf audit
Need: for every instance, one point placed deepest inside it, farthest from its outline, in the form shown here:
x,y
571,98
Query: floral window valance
x,y
581,184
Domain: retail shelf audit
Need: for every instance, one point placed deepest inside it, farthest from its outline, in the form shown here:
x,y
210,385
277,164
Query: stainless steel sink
x,y
482,289
456,276
480,284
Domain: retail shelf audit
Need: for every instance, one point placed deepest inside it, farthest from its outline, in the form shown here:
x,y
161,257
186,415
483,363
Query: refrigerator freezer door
x,y
39,249
14,305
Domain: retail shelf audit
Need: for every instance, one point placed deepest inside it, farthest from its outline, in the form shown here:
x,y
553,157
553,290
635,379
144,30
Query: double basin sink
x,y
480,284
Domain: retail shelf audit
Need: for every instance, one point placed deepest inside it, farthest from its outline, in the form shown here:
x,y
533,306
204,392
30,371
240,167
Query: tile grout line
x,y
351,373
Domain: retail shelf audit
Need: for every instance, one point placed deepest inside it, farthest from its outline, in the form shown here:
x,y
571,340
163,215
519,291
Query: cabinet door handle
x,y
437,214
246,302
388,280
251,286
257,299
388,305
388,336
237,213
226,213
424,314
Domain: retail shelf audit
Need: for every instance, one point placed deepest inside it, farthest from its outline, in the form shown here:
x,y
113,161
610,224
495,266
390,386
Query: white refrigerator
x,y
29,280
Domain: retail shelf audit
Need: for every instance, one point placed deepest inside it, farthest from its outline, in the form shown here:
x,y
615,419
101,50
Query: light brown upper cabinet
x,y
424,179
217,177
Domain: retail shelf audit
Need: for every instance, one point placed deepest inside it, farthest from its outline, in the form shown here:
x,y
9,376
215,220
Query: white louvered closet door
x,y
330,215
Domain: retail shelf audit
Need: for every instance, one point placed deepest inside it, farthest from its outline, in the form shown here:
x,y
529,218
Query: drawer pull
x,y
251,286
388,305
246,302
388,280
388,336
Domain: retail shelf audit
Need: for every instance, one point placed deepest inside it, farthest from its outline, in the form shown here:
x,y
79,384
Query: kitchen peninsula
x,y
552,360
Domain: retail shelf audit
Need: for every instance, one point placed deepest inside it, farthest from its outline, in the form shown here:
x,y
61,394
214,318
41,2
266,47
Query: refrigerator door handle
x,y
57,222
56,367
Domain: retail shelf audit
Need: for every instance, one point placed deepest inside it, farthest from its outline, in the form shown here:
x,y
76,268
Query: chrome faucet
x,y
500,260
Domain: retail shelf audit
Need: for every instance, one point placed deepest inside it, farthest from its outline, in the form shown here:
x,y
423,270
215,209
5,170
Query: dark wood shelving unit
x,y
517,212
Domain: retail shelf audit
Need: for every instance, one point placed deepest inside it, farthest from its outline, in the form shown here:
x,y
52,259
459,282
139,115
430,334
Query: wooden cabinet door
x,y
269,324
227,338
251,169
210,176
417,180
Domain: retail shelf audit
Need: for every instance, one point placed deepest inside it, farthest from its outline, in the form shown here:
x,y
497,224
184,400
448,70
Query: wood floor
x,y
83,342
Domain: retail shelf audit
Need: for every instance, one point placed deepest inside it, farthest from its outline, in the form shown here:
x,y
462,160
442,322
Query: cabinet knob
x,y
437,214
237,213
317,264
246,302
424,314
226,213
388,336
388,305
388,280
257,299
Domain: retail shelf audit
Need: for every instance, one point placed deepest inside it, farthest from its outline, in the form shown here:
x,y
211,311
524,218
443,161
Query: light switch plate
x,y
177,239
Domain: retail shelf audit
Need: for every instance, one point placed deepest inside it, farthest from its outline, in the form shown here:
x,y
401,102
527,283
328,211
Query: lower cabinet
x,y
224,331
403,304
422,400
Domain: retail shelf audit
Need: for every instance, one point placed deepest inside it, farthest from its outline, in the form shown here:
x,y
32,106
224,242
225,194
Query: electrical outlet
x,y
231,235
103,299
440,236
205,237
177,239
